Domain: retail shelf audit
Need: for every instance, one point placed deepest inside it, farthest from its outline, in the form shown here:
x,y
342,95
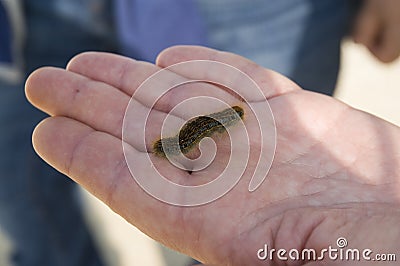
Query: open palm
x,y
336,170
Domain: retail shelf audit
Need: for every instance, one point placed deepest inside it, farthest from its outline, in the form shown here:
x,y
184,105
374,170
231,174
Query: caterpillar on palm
x,y
194,130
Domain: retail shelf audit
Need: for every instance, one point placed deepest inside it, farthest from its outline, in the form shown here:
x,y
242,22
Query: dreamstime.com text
x,y
340,252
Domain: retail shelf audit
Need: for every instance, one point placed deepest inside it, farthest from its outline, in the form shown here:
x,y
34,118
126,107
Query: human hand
x,y
378,27
335,173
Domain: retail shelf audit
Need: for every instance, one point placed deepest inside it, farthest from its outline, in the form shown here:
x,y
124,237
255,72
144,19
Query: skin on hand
x,y
378,28
335,173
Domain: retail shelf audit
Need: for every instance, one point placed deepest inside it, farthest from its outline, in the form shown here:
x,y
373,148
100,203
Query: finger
x,y
272,83
128,75
388,48
62,93
69,146
96,161
118,71
367,27
96,104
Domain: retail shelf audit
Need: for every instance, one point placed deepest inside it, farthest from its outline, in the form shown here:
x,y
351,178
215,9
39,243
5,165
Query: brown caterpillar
x,y
194,130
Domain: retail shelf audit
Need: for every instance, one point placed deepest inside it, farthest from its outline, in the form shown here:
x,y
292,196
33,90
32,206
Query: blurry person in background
x,y
297,38
39,209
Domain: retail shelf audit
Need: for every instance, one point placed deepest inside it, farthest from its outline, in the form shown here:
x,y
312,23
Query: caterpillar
x,y
197,128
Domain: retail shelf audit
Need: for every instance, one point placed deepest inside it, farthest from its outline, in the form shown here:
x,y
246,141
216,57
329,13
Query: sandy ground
x,y
364,83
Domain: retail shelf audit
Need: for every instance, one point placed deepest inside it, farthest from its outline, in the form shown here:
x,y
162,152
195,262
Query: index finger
x,y
271,83
128,75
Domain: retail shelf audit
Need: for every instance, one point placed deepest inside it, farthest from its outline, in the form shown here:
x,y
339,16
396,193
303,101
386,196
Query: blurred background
x,y
290,44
